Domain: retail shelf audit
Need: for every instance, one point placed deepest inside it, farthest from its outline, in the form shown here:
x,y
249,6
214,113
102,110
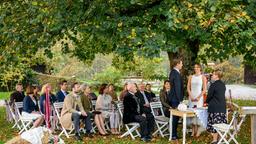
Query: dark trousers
x,y
175,119
146,124
85,119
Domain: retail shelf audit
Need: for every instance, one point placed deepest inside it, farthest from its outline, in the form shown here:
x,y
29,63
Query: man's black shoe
x,y
175,138
145,139
149,137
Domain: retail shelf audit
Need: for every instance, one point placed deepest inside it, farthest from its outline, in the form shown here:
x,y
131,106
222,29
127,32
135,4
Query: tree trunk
x,y
249,75
189,57
172,56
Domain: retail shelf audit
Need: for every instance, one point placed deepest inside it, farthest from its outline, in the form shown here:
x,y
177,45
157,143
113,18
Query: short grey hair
x,y
83,86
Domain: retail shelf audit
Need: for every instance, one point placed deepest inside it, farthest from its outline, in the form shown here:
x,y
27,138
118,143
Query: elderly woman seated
x,y
87,105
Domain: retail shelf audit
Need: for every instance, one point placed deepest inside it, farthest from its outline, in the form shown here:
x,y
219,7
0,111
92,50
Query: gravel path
x,y
241,92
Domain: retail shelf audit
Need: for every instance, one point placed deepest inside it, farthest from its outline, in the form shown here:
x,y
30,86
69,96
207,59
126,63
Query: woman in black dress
x,y
216,104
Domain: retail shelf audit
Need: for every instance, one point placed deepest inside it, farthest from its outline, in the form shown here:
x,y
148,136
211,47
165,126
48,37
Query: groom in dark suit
x,y
176,94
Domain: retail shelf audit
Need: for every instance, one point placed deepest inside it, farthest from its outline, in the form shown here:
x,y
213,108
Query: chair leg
x,y
232,137
222,137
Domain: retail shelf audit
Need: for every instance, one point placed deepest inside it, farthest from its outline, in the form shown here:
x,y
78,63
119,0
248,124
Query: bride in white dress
x,y
196,87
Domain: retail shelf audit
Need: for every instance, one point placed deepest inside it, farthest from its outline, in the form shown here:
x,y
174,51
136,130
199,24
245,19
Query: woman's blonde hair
x,y
44,88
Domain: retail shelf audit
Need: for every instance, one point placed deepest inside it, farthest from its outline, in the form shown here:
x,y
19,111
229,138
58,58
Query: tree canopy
x,y
203,29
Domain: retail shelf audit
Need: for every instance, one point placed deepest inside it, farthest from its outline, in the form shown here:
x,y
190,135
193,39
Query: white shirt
x,y
176,69
65,93
145,98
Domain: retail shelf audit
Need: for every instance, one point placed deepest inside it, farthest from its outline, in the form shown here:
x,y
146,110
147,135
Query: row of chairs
x,y
162,122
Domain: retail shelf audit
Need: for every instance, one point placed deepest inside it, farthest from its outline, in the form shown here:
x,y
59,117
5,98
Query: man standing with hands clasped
x,y
176,94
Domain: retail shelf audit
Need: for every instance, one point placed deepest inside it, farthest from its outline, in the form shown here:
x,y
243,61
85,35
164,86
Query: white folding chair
x,y
162,121
157,98
93,104
230,129
25,121
57,108
131,127
14,116
107,121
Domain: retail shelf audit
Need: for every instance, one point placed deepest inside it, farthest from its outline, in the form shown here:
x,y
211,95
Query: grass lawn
x,y
6,133
5,95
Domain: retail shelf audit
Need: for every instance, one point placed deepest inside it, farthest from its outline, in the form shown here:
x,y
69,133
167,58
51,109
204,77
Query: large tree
x,y
193,29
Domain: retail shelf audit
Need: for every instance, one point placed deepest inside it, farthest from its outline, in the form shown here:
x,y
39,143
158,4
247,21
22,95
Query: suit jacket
x,y
216,97
29,105
164,100
16,97
151,95
130,108
70,105
177,89
60,96
140,97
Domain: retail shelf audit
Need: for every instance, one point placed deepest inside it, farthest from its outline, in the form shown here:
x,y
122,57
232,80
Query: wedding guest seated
x,y
93,96
104,104
148,89
87,105
133,113
46,89
36,91
112,93
73,111
164,97
144,100
17,96
123,93
62,93
30,107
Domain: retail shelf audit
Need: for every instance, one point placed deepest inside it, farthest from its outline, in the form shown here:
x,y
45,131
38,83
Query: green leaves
x,y
127,28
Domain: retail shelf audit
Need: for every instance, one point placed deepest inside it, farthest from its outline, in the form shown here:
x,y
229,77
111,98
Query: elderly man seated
x,y
134,113
73,111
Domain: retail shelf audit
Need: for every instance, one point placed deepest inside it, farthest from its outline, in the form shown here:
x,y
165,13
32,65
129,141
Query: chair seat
x,y
222,127
26,118
133,123
162,119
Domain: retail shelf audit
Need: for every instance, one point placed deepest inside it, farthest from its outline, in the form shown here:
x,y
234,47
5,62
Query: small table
x,y
184,115
247,110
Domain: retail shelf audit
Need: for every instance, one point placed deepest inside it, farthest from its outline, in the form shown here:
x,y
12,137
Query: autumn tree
x,y
196,30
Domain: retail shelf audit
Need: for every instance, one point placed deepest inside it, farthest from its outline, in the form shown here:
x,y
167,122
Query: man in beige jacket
x,y
73,111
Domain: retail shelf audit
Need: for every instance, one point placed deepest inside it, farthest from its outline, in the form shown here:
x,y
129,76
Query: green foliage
x,y
123,27
231,73
126,28
149,69
4,95
109,75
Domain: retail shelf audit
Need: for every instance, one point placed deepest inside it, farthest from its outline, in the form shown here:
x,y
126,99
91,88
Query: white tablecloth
x,y
201,114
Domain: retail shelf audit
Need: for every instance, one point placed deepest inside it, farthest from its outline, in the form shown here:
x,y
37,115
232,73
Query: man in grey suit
x,y
176,94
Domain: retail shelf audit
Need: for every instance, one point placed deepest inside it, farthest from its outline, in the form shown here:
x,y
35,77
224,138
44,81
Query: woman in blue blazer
x,y
30,107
